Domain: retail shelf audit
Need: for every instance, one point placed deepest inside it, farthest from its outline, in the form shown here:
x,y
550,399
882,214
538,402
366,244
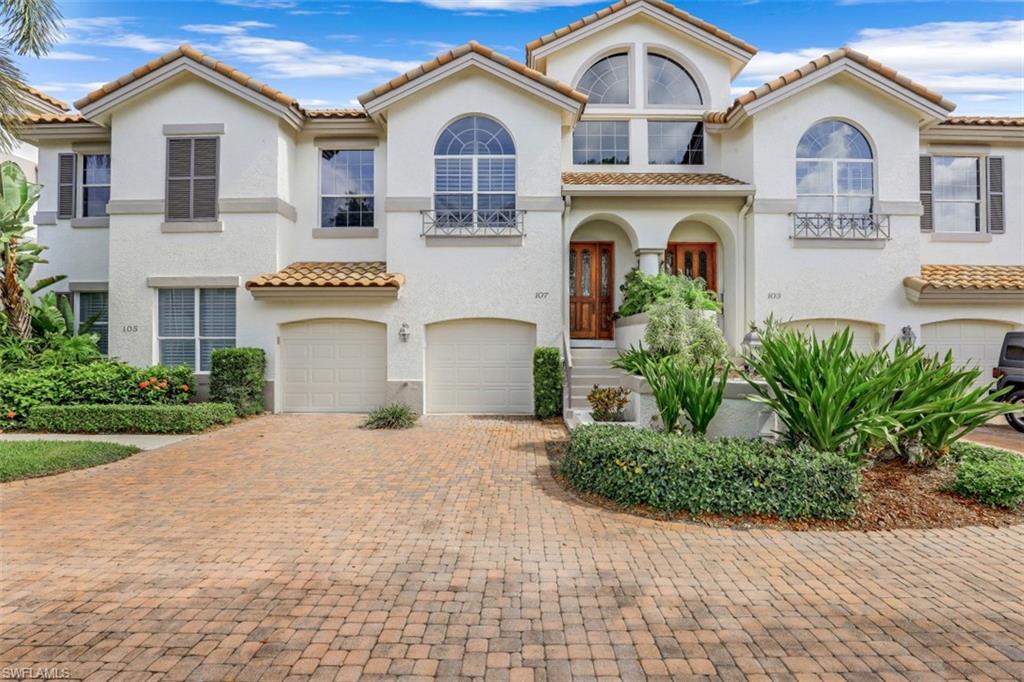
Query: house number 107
x,y
541,295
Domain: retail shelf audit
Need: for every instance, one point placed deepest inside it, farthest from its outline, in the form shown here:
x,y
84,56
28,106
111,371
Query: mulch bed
x,y
894,495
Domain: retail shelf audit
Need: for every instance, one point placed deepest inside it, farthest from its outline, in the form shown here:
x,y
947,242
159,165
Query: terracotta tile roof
x,y
968,277
335,113
39,94
474,47
623,4
189,52
330,275
42,119
820,63
648,179
1010,121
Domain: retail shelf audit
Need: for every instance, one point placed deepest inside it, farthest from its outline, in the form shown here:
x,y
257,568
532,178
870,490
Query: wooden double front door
x,y
591,290
693,260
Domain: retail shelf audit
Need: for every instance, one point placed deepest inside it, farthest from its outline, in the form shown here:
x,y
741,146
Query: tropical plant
x,y
607,404
703,388
632,360
641,291
393,416
665,380
30,27
675,329
825,393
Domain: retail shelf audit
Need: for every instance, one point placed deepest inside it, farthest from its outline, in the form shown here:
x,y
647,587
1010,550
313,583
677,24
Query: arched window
x,y
607,81
835,170
475,175
670,84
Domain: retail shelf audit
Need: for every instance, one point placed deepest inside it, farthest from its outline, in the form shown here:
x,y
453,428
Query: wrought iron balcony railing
x,y
483,223
871,226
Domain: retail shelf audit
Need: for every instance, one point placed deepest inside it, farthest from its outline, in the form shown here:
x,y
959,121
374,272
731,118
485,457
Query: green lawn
x,y
28,459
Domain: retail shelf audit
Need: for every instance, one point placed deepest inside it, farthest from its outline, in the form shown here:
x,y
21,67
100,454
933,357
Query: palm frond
x,y
30,26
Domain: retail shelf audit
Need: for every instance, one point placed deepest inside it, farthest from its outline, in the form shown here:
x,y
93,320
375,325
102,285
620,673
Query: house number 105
x,y
130,328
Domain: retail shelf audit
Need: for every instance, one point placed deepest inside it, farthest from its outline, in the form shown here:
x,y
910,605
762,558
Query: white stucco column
x,y
650,260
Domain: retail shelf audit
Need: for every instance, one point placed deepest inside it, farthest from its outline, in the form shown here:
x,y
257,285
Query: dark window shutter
x,y
179,179
204,187
926,194
66,186
996,205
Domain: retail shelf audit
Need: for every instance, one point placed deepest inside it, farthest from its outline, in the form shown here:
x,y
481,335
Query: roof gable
x,y
658,10
843,60
187,59
473,54
39,101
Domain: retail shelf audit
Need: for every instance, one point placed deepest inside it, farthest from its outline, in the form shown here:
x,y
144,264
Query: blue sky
x,y
327,53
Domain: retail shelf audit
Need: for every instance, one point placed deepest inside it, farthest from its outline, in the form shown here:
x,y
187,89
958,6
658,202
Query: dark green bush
x,y
993,477
101,383
393,416
641,291
129,418
547,382
236,377
673,473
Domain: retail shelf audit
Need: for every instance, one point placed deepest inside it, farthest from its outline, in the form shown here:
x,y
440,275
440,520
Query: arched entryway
x,y
695,250
601,253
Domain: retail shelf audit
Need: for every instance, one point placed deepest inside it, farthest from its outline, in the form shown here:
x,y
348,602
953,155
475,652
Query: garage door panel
x,y
481,366
972,342
334,366
865,335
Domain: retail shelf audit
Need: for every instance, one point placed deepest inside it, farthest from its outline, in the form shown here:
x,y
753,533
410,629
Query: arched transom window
x,y
670,84
835,170
475,174
607,81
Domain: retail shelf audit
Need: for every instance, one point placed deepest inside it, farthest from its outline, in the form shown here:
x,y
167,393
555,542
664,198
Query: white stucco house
x,y
420,247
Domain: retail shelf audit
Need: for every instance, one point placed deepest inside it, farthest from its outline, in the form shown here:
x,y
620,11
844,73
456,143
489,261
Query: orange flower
x,y
184,387
163,384
152,380
11,414
143,384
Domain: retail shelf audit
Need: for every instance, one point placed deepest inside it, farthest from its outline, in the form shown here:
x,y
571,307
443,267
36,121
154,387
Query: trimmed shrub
x,y
236,377
393,416
993,477
100,383
547,382
129,418
608,404
674,473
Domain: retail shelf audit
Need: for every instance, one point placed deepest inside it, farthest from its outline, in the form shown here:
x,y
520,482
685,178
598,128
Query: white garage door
x,y
976,342
865,335
333,365
480,367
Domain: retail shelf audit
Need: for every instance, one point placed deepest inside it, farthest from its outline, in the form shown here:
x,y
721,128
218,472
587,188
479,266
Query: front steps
x,y
592,366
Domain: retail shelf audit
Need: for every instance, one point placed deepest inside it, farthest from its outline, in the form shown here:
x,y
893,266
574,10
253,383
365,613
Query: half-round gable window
x,y
475,175
835,170
668,83
607,81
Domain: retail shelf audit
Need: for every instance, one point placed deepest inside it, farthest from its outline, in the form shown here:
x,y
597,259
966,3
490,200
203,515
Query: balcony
x,y
481,223
847,226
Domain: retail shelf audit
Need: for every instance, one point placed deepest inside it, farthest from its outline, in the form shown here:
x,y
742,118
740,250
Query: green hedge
x,y
993,477
98,383
547,382
673,473
129,418
236,377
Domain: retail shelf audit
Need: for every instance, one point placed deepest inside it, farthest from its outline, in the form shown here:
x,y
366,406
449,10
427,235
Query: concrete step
x,y
594,352
595,371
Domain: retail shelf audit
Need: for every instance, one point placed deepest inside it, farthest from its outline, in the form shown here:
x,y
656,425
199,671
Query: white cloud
x,y
236,27
261,4
478,6
67,88
296,59
68,56
957,58
434,47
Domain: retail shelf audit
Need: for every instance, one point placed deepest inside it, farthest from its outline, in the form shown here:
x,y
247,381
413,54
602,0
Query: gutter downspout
x,y
563,297
748,263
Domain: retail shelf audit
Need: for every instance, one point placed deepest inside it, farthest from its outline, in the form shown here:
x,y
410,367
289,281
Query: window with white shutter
x,y
927,222
996,193
191,323
192,166
66,186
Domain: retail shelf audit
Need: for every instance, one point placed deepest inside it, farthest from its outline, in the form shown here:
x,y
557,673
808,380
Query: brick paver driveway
x,y
302,547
